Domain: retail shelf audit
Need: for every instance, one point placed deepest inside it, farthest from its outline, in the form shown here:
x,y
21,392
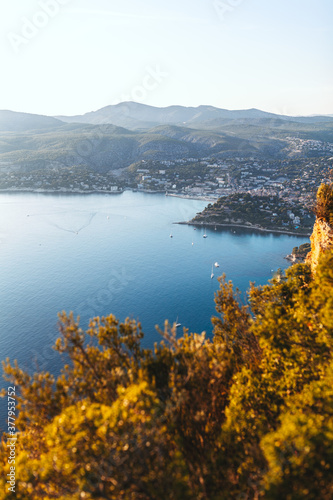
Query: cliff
x,y
321,240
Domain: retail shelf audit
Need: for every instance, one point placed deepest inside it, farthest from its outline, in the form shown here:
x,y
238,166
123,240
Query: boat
x,y
217,264
212,275
178,324
192,243
205,235
171,236
215,228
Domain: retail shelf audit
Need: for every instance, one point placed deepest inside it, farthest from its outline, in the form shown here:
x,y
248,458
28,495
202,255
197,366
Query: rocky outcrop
x,y
321,240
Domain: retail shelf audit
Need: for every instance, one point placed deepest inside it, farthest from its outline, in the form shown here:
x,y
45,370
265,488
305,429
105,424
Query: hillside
x,y
11,121
100,149
110,147
33,142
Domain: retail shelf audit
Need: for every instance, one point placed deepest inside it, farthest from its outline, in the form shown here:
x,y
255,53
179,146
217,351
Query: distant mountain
x,y
11,121
135,116
35,142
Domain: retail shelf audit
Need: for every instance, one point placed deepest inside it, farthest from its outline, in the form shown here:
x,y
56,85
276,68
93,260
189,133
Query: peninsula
x,y
265,213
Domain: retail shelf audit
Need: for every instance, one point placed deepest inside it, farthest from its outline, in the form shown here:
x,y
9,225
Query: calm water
x,y
97,254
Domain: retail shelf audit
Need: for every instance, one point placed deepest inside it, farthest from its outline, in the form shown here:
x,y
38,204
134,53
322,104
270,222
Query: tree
x,y
300,451
323,207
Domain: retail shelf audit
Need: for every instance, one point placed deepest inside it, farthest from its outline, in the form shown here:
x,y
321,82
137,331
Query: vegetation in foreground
x,y
248,414
302,251
323,208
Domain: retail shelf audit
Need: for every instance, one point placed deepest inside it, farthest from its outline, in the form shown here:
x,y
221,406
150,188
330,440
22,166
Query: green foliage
x,y
246,415
232,326
300,451
324,203
302,251
257,211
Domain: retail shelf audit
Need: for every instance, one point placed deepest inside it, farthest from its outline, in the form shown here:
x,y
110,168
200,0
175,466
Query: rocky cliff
x,y
321,240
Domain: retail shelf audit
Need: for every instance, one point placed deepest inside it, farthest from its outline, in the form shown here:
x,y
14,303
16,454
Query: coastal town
x,y
273,192
294,178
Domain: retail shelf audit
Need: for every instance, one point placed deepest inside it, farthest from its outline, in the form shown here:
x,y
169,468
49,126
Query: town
x,y
289,183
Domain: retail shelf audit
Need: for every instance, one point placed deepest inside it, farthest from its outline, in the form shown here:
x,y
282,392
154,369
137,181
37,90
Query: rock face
x,y
321,240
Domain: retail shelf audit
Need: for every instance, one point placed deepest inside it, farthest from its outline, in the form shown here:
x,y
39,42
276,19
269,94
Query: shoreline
x,y
188,197
53,191
174,195
243,226
102,191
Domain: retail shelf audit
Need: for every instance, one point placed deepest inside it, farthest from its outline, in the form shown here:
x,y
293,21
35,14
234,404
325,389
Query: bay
x,y
100,254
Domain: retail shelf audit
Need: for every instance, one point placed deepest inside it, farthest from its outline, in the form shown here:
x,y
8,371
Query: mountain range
x,y
117,136
135,116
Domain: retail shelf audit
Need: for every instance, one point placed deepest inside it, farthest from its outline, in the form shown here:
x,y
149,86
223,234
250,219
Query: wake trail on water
x,y
75,231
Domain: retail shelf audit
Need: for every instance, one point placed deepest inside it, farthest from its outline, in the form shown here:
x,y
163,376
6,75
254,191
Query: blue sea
x,y
99,254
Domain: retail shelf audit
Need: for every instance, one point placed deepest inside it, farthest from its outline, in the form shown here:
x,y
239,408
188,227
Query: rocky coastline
x,y
243,226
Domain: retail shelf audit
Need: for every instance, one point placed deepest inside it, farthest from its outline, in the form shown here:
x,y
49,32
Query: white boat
x,y
178,324
212,275
217,264
171,236
205,235
192,243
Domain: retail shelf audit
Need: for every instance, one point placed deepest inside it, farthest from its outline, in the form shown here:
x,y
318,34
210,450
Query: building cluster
x,y
293,177
65,180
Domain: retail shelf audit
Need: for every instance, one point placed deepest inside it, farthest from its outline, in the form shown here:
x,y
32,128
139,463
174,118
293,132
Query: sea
x,y
96,254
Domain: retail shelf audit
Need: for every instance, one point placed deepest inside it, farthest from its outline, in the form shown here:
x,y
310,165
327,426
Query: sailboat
x,y
217,264
212,275
205,235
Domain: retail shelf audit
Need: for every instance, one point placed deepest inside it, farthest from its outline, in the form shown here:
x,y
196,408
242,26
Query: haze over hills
x,y
12,121
136,115
132,132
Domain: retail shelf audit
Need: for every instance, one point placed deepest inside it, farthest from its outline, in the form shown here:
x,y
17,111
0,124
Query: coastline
x,y
189,197
243,226
102,191
175,195
59,191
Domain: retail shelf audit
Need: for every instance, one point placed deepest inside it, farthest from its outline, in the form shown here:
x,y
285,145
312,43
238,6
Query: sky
x,y
67,57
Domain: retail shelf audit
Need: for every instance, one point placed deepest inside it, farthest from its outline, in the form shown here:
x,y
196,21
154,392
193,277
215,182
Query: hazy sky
x,y
75,56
